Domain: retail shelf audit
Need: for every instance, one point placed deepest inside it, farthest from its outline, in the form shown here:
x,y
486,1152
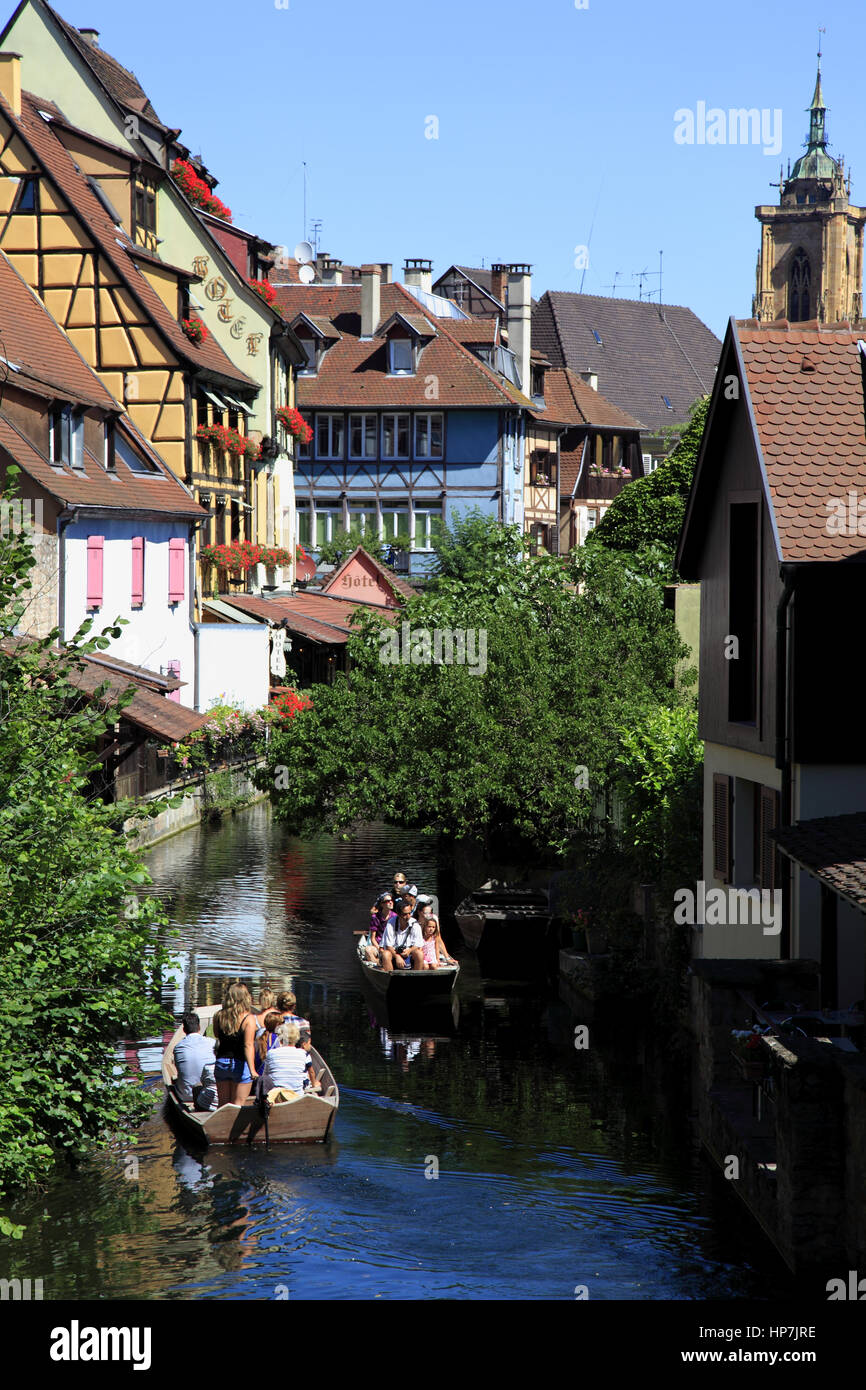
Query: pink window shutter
x,y
138,571
174,670
94,571
176,569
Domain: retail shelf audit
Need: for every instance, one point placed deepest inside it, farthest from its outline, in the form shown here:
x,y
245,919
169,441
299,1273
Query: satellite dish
x,y
303,251
306,274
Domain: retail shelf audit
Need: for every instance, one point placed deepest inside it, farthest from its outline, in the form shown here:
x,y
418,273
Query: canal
x,y
487,1159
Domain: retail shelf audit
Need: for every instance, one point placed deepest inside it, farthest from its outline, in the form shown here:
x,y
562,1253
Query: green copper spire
x,y
816,163
817,112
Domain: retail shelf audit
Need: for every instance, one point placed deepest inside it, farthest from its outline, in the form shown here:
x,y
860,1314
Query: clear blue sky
x,y
553,121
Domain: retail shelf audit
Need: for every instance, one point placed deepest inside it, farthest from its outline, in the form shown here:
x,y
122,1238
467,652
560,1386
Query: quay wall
x,y
194,806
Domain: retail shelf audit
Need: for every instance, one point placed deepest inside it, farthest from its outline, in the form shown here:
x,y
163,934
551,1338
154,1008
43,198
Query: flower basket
x,y
195,330
229,440
198,191
264,289
294,424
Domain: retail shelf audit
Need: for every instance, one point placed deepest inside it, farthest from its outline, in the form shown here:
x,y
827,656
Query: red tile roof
x,y
806,388
571,401
112,242
354,373
833,848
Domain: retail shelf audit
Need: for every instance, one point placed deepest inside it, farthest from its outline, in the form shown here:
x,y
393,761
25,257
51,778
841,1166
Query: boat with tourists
x,y
306,1119
408,988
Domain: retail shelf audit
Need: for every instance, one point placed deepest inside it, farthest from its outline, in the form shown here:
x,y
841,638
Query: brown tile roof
x,y
207,357
833,848
32,340
163,719
807,393
321,620
92,486
646,352
571,401
354,373
120,83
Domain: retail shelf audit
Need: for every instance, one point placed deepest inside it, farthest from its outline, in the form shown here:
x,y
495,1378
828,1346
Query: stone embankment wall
x,y
194,806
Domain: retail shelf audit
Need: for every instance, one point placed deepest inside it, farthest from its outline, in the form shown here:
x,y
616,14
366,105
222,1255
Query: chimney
x,y
90,36
591,379
371,276
386,268
519,319
332,271
498,275
419,273
10,80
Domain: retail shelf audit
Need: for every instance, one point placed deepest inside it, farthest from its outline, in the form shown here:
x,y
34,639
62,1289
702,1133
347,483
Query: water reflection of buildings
x,y
404,1048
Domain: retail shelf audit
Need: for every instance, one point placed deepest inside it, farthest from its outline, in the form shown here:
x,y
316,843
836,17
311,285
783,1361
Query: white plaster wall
x,y
158,632
233,665
746,941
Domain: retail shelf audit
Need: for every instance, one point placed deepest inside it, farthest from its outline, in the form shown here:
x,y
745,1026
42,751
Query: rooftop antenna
x,y
589,238
304,162
661,253
316,232
617,275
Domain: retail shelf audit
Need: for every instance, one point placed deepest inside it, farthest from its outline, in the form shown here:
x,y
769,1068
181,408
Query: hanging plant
x,y
263,288
294,423
198,191
195,330
231,441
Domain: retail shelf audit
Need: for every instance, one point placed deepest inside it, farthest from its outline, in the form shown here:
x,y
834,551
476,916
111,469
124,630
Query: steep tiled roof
x,y
32,340
112,241
121,84
354,373
806,388
646,351
833,848
571,401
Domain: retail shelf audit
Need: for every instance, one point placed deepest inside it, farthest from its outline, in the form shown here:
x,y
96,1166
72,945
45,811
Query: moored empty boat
x,y
499,915
306,1120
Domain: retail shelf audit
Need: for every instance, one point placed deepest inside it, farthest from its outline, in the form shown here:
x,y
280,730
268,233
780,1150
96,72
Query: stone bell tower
x,y
810,265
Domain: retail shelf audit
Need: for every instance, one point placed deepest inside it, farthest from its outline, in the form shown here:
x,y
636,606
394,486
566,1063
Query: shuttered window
x,y
137,572
176,569
768,855
94,571
722,826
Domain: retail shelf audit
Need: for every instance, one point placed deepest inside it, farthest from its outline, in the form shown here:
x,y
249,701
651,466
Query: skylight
x,y
597,336
666,400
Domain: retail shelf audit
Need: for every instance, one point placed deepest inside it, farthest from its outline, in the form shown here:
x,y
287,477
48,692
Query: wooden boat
x,y
500,915
307,1120
409,987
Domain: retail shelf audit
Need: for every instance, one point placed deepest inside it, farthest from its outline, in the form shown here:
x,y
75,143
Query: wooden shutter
x,y
176,569
174,670
94,571
722,785
768,855
138,571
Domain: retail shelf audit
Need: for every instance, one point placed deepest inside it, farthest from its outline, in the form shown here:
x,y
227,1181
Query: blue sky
x,y
555,126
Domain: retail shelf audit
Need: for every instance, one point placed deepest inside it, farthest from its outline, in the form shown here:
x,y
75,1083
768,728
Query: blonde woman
x,y
234,1029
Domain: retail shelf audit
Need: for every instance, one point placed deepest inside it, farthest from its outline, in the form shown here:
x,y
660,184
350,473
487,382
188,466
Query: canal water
x,y
486,1158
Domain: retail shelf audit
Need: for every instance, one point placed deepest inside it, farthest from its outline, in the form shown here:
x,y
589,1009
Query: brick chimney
x,y
90,36
10,80
419,273
519,319
371,276
498,278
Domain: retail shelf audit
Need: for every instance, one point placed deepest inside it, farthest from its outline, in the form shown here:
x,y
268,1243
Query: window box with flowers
x,y
264,289
195,330
294,424
229,440
198,191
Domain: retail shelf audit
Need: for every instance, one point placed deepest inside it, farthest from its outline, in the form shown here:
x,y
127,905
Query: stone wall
x,y
173,819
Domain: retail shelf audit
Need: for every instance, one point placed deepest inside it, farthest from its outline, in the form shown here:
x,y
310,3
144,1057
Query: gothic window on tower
x,y
800,287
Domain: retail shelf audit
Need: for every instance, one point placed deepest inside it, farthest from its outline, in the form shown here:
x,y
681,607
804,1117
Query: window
x,y
329,520
395,436
311,348
303,530
799,288
67,436
428,529
537,375
25,197
364,517
305,450
400,357
428,436
109,438
597,337
329,436
362,436
395,522
743,607
667,402
144,208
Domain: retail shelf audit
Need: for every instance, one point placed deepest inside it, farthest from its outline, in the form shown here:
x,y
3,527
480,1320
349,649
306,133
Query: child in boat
x,y
382,914
268,1038
305,1042
286,1002
435,954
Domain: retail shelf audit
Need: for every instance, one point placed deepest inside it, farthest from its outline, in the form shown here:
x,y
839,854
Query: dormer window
x,y
67,436
401,358
311,348
537,374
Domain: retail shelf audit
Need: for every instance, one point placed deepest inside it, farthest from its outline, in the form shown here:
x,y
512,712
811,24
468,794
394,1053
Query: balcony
x,y
604,487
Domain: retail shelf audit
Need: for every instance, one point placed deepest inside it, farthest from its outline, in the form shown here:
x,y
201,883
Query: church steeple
x,y
810,264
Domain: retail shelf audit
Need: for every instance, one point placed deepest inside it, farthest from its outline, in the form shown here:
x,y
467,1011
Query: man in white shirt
x,y
194,1059
402,943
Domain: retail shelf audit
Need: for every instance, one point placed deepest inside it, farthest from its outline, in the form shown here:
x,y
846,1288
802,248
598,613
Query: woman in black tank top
x,y
234,1029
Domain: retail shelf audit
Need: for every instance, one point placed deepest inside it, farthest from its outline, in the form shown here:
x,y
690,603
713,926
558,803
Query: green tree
x,y
80,951
650,511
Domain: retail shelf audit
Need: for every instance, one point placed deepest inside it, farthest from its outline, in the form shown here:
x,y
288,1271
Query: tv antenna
x,y
316,233
617,275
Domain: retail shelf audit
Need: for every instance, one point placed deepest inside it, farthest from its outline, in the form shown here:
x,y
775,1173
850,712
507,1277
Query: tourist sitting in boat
x,y
286,1002
381,914
286,1064
194,1059
306,1043
402,943
399,884
435,955
268,1036
234,1029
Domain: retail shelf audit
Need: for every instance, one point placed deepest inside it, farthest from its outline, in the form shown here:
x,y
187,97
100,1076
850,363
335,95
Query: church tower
x,y
810,265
